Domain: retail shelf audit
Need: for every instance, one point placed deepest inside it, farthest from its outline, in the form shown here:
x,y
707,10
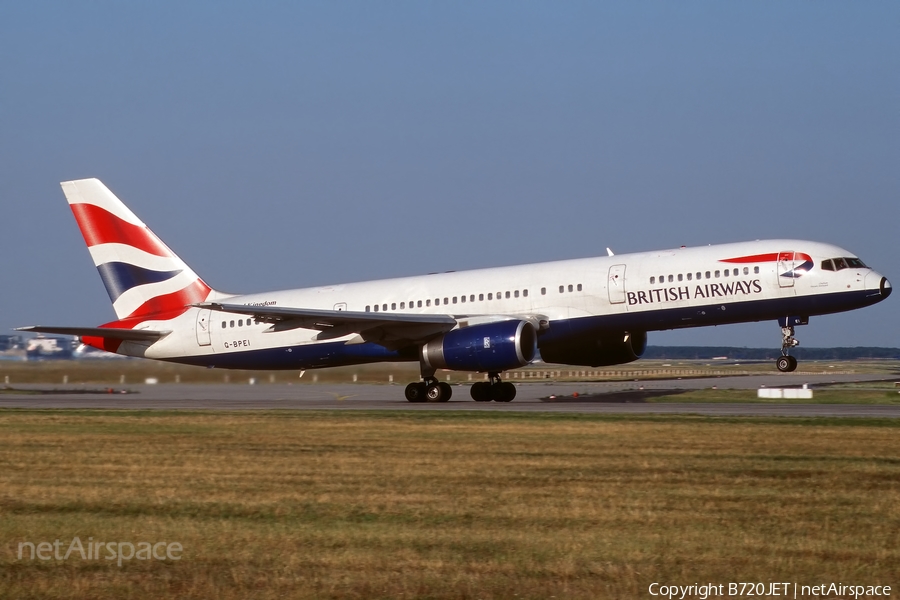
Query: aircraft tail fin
x,y
143,277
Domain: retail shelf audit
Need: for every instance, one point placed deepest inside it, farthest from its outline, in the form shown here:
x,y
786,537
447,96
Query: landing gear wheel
x,y
786,364
446,391
504,392
481,391
415,392
434,393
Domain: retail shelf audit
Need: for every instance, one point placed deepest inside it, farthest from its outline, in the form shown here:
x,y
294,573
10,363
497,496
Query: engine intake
x,y
491,347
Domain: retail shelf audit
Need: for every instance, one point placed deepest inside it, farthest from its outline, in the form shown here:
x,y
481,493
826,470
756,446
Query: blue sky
x,y
289,144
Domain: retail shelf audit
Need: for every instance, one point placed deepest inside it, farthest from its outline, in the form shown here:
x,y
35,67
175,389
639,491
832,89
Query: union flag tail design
x,y
143,277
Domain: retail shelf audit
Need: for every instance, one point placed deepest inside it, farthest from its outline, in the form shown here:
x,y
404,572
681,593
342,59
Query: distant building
x,y
54,348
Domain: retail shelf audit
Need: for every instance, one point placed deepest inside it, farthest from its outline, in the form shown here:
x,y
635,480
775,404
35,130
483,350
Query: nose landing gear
x,y
787,363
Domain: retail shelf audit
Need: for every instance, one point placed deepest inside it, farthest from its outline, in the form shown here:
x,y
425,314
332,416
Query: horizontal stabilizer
x,y
138,335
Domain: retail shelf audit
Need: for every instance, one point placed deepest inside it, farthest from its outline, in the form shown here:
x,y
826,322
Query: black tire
x,y
784,364
415,392
793,364
481,392
504,392
446,391
434,393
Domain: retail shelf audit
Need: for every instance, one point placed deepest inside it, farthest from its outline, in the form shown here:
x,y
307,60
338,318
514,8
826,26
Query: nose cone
x,y
878,285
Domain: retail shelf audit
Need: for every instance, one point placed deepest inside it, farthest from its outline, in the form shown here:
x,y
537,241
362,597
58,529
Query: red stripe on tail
x,y
99,226
195,292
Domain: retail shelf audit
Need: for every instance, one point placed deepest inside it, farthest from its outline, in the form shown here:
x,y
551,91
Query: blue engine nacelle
x,y
492,347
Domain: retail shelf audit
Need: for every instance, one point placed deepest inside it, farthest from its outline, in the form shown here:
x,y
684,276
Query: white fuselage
x,y
648,291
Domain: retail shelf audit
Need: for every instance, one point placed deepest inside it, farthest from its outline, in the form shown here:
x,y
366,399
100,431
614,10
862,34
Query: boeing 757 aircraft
x,y
590,311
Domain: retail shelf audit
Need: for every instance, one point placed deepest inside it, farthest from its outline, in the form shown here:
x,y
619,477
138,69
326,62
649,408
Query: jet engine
x,y
596,351
490,347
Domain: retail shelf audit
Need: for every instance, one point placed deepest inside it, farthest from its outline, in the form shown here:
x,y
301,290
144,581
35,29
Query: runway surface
x,y
605,397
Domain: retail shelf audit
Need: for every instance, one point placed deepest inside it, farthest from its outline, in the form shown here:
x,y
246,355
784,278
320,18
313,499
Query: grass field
x,y
428,505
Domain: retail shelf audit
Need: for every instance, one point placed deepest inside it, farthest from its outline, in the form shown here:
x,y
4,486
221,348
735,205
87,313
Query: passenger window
x,y
746,270
652,280
727,272
570,287
699,275
454,299
419,304
490,296
562,289
690,275
461,299
525,293
543,291
446,301
384,307
579,287
756,270
402,305
516,293
507,294
428,302
472,298
671,279
231,324
717,274
680,277
240,322
499,295
224,324
481,297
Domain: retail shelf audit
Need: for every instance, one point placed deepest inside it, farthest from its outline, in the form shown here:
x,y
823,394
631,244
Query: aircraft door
x,y
616,284
203,325
785,271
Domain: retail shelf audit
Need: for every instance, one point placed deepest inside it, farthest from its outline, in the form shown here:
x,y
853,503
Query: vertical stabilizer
x,y
142,275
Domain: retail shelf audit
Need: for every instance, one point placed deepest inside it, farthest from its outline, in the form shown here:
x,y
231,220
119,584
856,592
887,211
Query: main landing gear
x,y
785,362
494,389
432,390
429,390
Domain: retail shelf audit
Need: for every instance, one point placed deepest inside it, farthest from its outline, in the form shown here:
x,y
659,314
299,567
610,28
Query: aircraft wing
x,y
388,329
135,335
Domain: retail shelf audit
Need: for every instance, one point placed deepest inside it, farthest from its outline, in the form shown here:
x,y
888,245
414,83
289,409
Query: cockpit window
x,y
827,265
840,263
855,263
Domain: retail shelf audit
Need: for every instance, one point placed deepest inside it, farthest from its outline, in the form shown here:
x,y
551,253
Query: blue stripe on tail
x,y
119,277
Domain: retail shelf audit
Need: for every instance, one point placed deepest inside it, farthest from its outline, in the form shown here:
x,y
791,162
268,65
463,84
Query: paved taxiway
x,y
605,397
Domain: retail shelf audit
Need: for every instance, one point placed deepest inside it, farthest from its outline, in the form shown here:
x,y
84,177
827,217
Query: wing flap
x,y
383,328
